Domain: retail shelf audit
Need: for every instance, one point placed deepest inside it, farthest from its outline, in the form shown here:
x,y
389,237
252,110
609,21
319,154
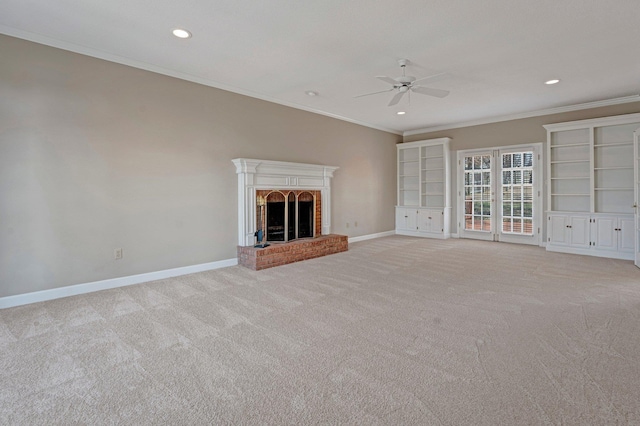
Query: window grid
x,y
517,193
477,192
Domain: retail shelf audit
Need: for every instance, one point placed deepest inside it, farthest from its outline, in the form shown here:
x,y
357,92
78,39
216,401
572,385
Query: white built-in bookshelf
x,y
424,200
590,186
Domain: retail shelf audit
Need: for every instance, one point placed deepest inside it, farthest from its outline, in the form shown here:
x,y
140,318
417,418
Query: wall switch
x,y
347,224
117,253
355,224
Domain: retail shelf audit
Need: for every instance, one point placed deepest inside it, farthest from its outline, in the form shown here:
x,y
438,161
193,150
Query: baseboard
x,y
371,236
611,254
456,235
73,290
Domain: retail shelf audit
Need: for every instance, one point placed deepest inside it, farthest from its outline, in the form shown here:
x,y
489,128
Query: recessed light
x,y
554,81
180,33
401,113
311,93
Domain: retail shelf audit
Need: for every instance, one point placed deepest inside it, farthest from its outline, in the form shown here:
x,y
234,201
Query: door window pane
x,y
477,192
506,161
517,185
486,162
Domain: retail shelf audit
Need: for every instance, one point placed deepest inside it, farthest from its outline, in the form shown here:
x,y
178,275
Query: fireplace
x,y
287,189
290,203
287,215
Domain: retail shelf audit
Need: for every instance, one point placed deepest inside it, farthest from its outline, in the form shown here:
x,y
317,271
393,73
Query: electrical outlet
x,y
347,224
355,224
117,253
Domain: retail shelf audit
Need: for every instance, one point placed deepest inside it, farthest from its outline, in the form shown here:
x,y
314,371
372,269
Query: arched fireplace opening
x,y
288,214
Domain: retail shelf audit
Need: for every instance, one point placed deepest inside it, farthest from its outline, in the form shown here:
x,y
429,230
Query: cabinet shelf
x,y
571,178
569,161
434,156
571,195
433,169
613,189
605,145
568,145
614,168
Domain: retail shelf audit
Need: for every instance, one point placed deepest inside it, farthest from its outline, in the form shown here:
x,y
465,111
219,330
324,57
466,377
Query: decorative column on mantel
x,y
265,174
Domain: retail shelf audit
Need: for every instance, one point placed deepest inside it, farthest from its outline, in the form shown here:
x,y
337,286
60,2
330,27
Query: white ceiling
x,y
497,53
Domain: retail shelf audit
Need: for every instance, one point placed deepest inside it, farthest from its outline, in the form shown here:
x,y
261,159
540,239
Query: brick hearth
x,y
282,253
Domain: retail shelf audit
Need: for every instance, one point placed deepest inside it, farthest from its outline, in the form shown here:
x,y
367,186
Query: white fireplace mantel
x,y
265,174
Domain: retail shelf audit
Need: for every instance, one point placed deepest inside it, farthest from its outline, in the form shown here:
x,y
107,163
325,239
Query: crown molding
x,y
94,53
87,51
548,111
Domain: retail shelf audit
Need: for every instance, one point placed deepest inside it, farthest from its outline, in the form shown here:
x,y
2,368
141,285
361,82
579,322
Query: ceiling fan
x,y
407,83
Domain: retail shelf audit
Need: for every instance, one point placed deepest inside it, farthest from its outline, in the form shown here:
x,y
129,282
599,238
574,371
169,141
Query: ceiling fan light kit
x,y
407,83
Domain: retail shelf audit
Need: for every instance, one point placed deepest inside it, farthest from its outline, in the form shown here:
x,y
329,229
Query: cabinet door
x,y
579,231
430,221
605,233
406,219
626,232
558,230
437,221
424,221
401,221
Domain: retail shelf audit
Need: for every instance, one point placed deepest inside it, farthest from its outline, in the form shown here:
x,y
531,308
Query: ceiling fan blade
x,y
438,93
386,79
432,78
396,98
374,93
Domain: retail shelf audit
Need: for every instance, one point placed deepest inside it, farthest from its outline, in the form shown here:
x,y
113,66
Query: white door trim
x,y
636,193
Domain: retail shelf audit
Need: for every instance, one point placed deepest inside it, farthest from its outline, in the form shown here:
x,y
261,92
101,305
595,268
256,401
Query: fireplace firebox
x,y
289,214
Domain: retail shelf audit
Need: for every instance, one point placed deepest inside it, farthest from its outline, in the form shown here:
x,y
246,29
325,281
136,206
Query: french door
x,y
499,194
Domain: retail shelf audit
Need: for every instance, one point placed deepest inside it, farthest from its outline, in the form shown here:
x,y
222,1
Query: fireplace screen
x,y
289,215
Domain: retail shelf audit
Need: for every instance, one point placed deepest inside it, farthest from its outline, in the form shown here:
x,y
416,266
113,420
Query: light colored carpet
x,y
396,331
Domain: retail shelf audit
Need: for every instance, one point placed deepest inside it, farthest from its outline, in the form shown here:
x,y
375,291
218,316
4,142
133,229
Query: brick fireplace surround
x,y
294,251
256,176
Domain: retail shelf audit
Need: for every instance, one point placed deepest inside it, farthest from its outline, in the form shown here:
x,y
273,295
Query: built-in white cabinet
x,y
590,186
431,221
569,230
420,222
614,233
424,197
591,234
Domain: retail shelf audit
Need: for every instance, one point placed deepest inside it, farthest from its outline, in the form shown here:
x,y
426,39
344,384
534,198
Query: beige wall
x,y
96,155
513,132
